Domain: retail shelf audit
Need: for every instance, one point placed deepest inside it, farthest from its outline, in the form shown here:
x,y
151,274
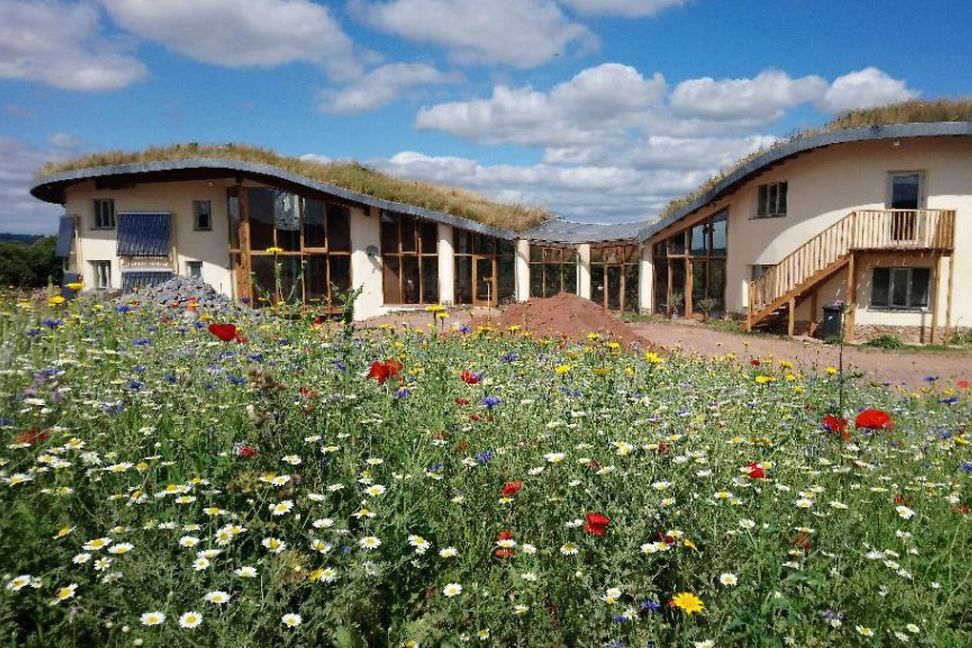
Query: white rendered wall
x,y
365,267
447,265
522,268
584,270
646,281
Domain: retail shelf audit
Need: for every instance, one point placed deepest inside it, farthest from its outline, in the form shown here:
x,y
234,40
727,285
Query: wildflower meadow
x,y
176,478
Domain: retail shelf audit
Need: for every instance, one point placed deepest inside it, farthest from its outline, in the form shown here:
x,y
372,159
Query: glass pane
x,y
484,288
291,279
597,284
410,279
536,279
920,284
905,191
678,286
259,209
390,280
568,271
340,277
483,244
463,280
717,283
614,287
536,254
286,216
314,223
661,249
761,204
264,286
781,200
661,286
676,244
719,236
551,272
462,241
506,282
699,243
338,228
389,233
315,278
430,280
408,234
428,237
899,286
880,287
233,208
699,269
631,288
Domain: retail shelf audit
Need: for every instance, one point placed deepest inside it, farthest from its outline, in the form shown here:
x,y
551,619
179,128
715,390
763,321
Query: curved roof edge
x,y
800,145
47,187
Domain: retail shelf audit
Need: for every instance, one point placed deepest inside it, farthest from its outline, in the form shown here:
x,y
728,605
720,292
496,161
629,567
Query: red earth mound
x,y
566,316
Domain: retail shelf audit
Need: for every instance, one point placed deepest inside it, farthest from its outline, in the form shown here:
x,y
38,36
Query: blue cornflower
x,y
485,457
236,380
651,606
112,408
620,618
52,323
402,393
123,308
32,333
4,422
136,385
182,330
465,330
951,400
340,366
139,369
615,643
171,378
966,467
199,324
491,401
436,467
255,357
141,342
930,379
510,357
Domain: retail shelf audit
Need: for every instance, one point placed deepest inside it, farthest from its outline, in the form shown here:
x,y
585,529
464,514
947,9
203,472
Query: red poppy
x,y
755,362
505,553
512,488
307,392
662,448
835,424
961,509
756,471
32,437
382,371
596,524
462,401
667,539
470,377
244,451
504,535
962,384
874,419
225,332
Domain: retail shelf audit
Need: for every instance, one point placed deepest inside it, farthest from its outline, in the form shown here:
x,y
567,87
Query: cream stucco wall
x,y
584,270
210,247
825,185
522,270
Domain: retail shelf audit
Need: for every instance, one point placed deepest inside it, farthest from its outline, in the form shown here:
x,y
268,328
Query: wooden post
x,y
689,279
749,310
173,233
935,291
791,317
948,298
849,323
813,313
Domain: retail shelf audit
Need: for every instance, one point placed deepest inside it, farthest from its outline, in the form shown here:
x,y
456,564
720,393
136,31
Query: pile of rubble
x,y
180,292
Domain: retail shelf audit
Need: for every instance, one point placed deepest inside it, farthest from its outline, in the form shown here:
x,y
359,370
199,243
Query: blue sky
x,y
601,110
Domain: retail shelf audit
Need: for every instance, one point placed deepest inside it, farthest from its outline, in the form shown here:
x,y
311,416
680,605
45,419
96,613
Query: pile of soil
x,y
567,316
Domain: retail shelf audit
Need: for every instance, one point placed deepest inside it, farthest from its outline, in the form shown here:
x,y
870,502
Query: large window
x,y
289,247
690,268
772,200
409,258
553,270
900,287
104,214
485,268
614,276
102,274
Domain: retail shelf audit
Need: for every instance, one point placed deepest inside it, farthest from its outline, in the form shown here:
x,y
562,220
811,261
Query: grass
x,y
491,489
353,176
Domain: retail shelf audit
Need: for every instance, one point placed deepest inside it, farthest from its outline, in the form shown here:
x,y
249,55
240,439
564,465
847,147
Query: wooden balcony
x,y
832,249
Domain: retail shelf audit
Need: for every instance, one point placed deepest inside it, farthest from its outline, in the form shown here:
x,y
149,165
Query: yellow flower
x,y
688,602
274,250
602,371
56,300
653,358
762,379
74,285
593,336
831,371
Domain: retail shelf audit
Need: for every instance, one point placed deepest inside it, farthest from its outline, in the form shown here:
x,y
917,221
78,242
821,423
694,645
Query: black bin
x,y
833,321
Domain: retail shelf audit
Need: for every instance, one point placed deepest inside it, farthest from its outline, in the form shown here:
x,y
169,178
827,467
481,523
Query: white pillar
x,y
447,265
366,261
584,270
522,271
646,281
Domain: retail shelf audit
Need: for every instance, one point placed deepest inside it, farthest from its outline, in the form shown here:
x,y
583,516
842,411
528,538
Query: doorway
x,y
484,281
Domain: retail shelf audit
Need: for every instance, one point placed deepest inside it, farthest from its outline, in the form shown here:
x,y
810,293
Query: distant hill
x,y
23,239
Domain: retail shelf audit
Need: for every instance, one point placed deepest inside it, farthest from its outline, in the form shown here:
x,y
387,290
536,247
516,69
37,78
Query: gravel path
x,y
905,367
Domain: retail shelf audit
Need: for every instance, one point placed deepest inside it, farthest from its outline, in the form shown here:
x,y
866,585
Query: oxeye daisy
x,y
64,593
152,618
369,542
20,582
449,552
727,579
275,545
246,572
375,490
569,549
282,508
217,597
190,620
291,620
452,590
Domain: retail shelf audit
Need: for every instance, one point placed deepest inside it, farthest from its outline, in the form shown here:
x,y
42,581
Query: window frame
x,y
922,180
196,204
778,208
409,227
189,267
99,214
909,284
96,266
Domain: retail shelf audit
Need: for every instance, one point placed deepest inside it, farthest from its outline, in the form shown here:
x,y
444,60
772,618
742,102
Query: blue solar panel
x,y
65,237
134,279
143,234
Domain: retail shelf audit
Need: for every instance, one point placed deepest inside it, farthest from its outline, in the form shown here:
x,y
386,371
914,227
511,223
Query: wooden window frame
x,y
417,252
909,280
96,266
553,255
778,207
622,256
99,214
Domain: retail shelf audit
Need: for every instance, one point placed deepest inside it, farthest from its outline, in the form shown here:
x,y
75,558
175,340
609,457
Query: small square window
x,y
771,200
202,215
194,269
905,288
104,213
102,274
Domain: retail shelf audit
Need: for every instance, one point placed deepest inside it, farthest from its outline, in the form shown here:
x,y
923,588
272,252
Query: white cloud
x,y
242,33
381,87
598,104
520,33
758,100
22,213
65,142
61,45
864,89
628,8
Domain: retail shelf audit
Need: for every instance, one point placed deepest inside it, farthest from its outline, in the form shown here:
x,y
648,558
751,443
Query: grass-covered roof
x,y
348,175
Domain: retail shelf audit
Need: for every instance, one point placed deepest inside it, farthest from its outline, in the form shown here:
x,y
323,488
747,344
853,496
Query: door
x,y
905,196
484,281
613,287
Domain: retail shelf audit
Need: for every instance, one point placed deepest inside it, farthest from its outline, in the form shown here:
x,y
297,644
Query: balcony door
x,y
906,195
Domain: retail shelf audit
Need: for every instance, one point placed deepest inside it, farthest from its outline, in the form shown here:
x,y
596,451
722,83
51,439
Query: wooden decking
x,y
801,272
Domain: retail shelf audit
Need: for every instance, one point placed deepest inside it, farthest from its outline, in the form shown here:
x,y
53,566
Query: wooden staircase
x,y
780,288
